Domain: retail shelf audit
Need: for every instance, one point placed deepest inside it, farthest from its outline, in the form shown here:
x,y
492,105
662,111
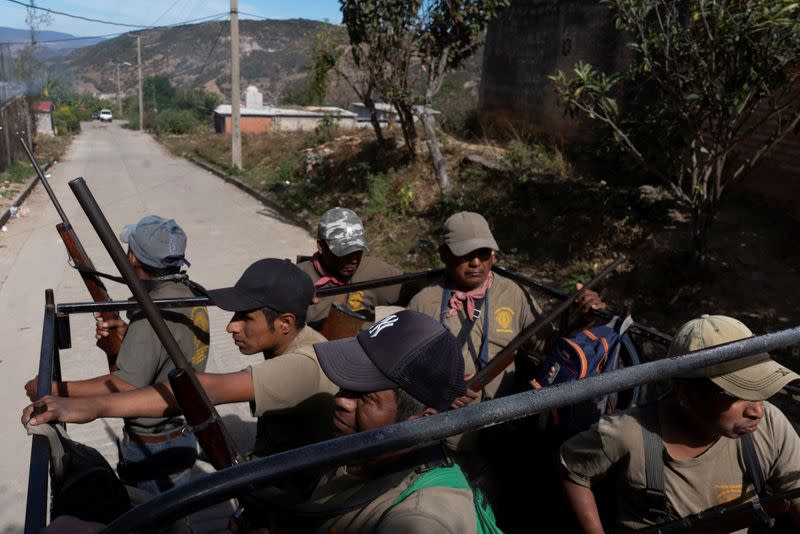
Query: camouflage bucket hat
x,y
342,230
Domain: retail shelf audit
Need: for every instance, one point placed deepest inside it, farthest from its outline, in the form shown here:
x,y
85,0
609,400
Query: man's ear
x,y
288,323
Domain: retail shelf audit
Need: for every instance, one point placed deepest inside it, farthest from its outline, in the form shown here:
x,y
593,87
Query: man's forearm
x,y
150,401
582,501
92,387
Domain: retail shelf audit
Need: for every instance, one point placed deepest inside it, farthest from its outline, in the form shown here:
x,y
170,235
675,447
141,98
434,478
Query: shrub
x,y
176,121
66,121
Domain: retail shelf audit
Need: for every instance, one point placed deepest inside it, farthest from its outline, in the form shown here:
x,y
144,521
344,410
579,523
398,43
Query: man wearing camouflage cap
x,y
155,451
340,260
697,440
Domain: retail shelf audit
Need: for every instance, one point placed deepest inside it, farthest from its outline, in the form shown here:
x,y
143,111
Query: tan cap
x,y
753,378
466,231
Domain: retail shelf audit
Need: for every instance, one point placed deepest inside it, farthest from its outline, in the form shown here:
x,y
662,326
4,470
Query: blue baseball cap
x,y
156,242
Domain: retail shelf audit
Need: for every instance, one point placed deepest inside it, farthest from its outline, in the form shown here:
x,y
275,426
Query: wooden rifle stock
x,y
341,323
201,419
505,357
109,344
728,519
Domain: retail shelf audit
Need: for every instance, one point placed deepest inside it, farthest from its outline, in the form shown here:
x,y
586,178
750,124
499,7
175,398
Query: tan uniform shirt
x,y
692,485
358,301
428,510
293,397
143,360
510,310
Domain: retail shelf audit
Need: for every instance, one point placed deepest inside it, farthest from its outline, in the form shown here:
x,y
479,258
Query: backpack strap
x,y
654,462
752,466
466,326
452,477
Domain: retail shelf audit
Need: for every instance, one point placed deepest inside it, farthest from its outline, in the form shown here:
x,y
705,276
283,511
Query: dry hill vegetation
x,y
273,57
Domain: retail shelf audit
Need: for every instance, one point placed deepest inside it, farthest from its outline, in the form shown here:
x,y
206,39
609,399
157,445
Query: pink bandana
x,y
457,297
325,277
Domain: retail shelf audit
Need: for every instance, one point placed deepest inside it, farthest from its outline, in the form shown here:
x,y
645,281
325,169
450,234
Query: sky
x,y
159,12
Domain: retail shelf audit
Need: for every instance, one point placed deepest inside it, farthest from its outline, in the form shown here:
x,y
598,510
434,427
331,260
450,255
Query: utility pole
x,y
119,99
236,133
141,98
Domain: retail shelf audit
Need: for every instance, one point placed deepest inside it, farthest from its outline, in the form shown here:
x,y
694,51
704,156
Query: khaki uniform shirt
x,y
363,302
715,477
142,359
293,397
432,509
510,310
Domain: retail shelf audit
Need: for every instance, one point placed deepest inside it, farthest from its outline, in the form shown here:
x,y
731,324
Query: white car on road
x,y
105,115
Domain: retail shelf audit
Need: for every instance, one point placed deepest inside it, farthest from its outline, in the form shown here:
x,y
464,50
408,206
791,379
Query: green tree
x,y
382,46
330,52
704,75
448,32
158,92
406,42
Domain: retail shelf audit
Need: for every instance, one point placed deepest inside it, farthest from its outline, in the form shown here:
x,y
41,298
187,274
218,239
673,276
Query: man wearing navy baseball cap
x,y
155,453
404,367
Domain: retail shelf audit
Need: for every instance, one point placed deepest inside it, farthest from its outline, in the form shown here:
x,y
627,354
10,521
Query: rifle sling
x,y
182,277
467,324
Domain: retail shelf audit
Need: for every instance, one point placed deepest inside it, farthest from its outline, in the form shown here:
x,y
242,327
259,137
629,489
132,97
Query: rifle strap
x,y
181,277
654,463
466,326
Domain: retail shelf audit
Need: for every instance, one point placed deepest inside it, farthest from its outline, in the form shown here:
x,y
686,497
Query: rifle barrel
x,y
635,328
505,357
45,183
380,282
106,234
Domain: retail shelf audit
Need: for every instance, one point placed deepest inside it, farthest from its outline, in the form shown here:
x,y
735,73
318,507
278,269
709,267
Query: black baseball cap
x,y
406,350
271,283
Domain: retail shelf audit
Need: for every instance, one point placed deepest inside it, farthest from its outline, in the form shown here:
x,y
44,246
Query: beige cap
x,y
753,378
466,231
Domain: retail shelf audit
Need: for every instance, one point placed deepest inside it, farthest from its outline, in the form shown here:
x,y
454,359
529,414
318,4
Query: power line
x,y
201,19
88,19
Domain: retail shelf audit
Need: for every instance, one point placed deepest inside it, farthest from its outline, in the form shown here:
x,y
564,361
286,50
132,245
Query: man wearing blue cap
x,y
155,452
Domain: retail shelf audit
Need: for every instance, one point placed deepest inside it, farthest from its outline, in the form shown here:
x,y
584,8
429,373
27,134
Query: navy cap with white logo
x,y
406,350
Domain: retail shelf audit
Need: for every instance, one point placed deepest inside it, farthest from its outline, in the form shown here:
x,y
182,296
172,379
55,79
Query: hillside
x,y
64,42
273,57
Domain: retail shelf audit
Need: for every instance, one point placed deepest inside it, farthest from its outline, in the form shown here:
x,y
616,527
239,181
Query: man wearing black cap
x,y
288,391
155,452
404,367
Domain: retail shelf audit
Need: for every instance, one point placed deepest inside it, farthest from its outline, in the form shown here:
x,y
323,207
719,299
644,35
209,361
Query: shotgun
x,y
505,357
203,419
380,282
729,519
643,331
109,344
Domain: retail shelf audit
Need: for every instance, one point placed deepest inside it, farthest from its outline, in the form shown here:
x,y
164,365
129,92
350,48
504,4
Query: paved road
x,y
131,176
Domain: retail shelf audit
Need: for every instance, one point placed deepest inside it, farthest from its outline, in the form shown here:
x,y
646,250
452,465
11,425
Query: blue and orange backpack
x,y
591,352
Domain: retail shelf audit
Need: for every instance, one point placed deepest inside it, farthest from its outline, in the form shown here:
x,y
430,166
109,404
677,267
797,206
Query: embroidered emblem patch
x,y
504,316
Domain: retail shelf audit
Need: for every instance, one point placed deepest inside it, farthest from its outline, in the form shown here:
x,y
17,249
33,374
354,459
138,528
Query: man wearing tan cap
x,y
699,436
485,312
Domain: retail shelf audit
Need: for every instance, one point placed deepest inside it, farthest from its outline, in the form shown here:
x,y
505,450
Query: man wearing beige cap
x,y
699,440
485,312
